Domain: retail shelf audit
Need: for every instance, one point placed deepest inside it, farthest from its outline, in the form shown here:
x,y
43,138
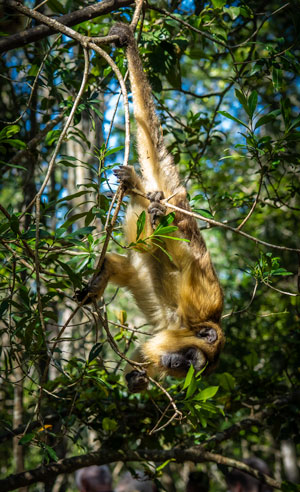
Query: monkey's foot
x,y
156,209
127,176
136,381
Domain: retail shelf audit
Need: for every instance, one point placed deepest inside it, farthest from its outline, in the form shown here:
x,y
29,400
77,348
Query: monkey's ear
x,y
207,333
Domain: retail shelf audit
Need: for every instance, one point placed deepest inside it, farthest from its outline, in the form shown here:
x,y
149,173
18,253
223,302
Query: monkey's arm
x,y
116,269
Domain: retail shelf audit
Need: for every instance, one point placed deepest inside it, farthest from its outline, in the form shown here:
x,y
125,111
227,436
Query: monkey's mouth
x,y
178,363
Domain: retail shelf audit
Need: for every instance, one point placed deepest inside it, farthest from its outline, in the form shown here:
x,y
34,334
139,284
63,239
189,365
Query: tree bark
x,y
195,454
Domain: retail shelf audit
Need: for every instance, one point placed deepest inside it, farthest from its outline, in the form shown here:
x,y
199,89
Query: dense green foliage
x,y
225,77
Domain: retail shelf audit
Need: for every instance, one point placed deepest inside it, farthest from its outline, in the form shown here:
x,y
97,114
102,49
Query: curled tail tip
x,y
124,32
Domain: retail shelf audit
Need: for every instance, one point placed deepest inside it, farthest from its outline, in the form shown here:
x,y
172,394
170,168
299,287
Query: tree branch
x,y
35,34
218,224
86,43
104,456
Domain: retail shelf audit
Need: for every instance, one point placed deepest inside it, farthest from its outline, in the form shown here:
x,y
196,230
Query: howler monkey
x,y
179,293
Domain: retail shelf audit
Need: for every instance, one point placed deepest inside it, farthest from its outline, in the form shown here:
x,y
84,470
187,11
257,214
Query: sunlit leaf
x,y
233,118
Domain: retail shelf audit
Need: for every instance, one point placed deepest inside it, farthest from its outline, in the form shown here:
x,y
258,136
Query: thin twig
x,y
260,26
253,205
189,26
136,15
177,412
33,88
112,343
86,43
279,290
219,224
248,305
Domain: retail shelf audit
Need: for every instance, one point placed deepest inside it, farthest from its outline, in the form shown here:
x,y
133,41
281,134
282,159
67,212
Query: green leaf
x,y
251,360
277,78
161,467
107,71
8,131
14,166
252,102
27,438
109,424
218,3
113,151
163,249
191,388
33,70
14,224
267,118
203,212
140,224
18,144
166,220
74,195
281,271
243,100
52,137
208,407
295,123
74,277
227,381
203,421
52,454
73,219
188,377
233,118
285,106
3,307
234,12
290,487
95,351
173,238
164,230
206,393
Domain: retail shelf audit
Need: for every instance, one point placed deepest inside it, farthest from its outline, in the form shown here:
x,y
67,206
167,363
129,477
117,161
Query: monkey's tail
x,y
157,165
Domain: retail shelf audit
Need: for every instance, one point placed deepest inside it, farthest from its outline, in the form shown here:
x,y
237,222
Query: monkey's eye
x,y
207,333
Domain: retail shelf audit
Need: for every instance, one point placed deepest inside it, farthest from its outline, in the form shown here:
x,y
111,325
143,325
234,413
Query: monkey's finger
x,y
155,196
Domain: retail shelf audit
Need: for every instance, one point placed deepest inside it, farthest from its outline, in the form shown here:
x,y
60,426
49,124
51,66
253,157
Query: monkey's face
x,y
178,363
174,350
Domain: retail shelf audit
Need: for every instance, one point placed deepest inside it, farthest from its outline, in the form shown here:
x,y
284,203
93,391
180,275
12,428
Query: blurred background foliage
x,y
225,77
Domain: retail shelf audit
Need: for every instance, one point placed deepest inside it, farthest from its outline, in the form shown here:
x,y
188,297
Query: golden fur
x,y
180,297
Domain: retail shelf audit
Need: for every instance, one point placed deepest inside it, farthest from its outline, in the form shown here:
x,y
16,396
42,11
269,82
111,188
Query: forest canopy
x,y
225,78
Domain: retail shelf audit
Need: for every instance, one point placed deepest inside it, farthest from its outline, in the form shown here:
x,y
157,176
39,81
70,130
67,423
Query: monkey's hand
x,y
136,381
128,177
156,209
95,287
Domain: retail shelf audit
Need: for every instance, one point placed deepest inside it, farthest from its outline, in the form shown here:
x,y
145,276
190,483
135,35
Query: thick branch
x,y
40,32
104,456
